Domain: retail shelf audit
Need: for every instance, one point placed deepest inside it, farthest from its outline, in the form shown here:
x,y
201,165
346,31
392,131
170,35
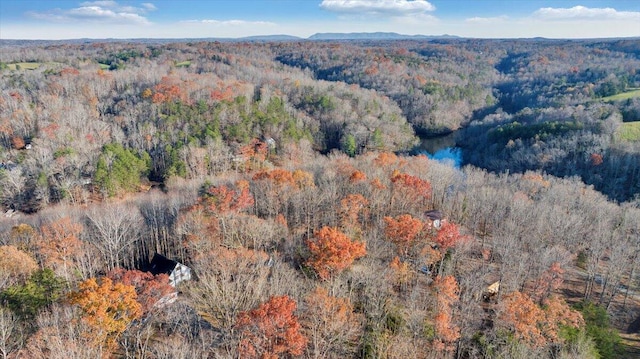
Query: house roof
x,y
161,264
434,215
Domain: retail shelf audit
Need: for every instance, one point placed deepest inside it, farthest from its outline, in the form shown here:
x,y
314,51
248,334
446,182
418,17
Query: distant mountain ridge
x,y
279,37
322,36
374,36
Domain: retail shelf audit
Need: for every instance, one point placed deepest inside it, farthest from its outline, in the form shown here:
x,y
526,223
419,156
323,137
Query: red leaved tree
x,y
270,330
221,199
149,288
448,236
60,245
558,314
549,280
403,231
353,210
410,191
447,332
522,315
333,251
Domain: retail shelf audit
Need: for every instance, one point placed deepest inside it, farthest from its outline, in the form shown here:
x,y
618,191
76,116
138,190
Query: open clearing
x,y
24,65
629,131
623,95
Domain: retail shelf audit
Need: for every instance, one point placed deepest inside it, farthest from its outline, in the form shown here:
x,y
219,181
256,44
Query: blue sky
x,y
50,19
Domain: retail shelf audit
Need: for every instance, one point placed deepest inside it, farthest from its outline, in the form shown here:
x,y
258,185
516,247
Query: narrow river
x,y
442,148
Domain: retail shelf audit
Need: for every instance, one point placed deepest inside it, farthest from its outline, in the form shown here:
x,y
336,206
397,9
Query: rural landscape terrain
x,y
269,198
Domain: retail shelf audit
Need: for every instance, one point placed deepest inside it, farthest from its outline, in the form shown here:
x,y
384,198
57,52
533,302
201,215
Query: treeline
x,y
582,140
183,106
340,250
437,86
549,115
175,119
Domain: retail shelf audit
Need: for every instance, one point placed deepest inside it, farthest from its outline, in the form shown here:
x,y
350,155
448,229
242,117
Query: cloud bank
x,y
378,7
585,13
104,11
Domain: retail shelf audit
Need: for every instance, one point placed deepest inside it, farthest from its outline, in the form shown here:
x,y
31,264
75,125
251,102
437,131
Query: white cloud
x,y
149,6
105,11
378,7
104,3
486,20
585,13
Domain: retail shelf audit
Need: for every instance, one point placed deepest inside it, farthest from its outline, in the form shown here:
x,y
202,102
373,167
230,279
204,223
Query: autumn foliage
x,y
411,188
549,281
15,265
221,199
402,273
60,243
353,208
169,90
330,323
271,330
535,325
150,289
448,236
107,307
403,231
332,251
447,295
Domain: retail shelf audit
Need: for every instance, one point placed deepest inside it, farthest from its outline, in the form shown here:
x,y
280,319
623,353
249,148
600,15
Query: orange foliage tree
x,y
254,154
357,176
107,307
15,266
447,333
403,231
280,177
333,251
330,324
549,280
270,330
537,326
402,274
352,208
207,218
169,90
521,315
150,289
448,236
60,244
220,199
410,190
559,314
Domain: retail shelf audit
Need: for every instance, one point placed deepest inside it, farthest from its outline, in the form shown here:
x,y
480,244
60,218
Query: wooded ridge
x,y
279,178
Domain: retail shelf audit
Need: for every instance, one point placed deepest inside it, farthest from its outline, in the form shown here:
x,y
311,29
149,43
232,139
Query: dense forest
x,y
285,176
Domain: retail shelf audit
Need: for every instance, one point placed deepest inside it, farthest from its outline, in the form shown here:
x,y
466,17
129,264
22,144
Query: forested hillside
x,y
281,175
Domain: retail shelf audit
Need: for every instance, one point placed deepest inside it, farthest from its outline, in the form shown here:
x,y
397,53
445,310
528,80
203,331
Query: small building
x,y
176,271
491,291
436,217
271,143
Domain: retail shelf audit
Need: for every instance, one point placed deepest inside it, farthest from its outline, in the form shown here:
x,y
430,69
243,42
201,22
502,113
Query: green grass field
x,y
629,131
183,64
623,95
24,65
